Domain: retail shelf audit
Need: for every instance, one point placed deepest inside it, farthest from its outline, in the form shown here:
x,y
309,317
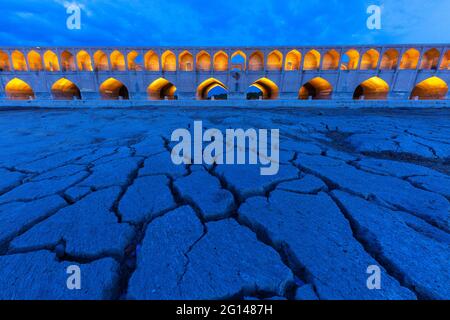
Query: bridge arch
x,y
269,89
311,60
34,61
151,61
275,61
113,89
101,61
350,60
67,61
51,61
134,61
410,59
369,60
18,61
389,61
317,88
161,89
64,89
117,61
256,61
430,59
433,88
331,60
4,61
238,61
445,64
17,89
203,61
84,61
169,61
186,61
373,88
293,59
220,61
206,86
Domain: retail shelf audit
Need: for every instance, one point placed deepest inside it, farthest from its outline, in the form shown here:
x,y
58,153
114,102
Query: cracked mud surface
x,y
97,189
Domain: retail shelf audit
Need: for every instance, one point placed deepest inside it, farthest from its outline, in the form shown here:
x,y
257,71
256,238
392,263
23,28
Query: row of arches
x,y
221,61
318,88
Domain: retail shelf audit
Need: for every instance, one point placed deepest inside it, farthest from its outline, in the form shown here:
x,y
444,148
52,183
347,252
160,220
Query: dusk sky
x,y
230,22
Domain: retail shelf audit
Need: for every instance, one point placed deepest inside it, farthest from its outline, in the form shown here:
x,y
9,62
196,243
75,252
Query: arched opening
x,y
67,61
256,61
169,61
263,89
51,61
350,60
312,60
18,61
374,88
316,89
445,64
34,61
161,89
410,59
369,60
186,61
134,61
238,61
205,88
275,61
101,61
293,59
203,61
4,61
433,88
389,61
113,89
117,61
220,61
151,61
84,61
64,89
430,60
331,60
17,89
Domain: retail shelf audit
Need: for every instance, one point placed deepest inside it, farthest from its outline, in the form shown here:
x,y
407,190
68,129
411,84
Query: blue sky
x,y
226,22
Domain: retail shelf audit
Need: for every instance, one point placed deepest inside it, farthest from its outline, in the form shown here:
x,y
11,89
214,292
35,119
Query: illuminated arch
x,y
317,88
374,88
430,59
389,61
433,88
117,61
186,61
293,59
275,61
239,61
132,61
445,64
350,60
410,59
151,61
161,89
220,61
206,86
51,61
4,61
169,61
267,87
331,60
84,61
64,89
256,61
17,89
311,60
370,59
67,61
18,61
203,61
113,89
101,61
34,61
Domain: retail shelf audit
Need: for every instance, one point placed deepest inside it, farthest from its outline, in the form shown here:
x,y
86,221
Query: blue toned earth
x,y
97,189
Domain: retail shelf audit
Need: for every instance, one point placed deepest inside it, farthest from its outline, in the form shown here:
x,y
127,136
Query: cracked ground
x,y
97,189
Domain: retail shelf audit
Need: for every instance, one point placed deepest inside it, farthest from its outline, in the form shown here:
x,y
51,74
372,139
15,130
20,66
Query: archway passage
x,y
18,60
433,88
64,89
220,61
84,61
4,61
35,61
17,89
372,89
151,61
350,60
113,89
268,90
101,61
161,89
203,61
51,61
317,88
67,61
331,60
256,61
275,61
389,61
410,59
445,64
430,59
292,61
117,61
369,60
205,88
134,61
186,61
238,61
311,60
169,61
